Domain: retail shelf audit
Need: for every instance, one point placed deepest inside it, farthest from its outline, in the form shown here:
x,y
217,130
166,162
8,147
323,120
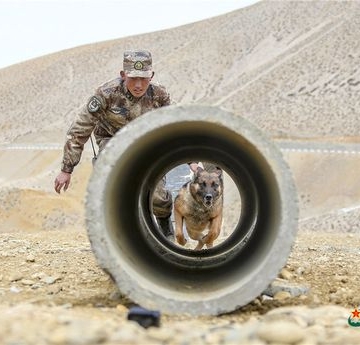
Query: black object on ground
x,y
144,317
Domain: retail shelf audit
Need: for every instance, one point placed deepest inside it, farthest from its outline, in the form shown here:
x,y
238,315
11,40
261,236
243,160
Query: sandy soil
x,y
51,278
324,262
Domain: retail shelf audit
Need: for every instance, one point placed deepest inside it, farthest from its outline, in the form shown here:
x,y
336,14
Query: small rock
x,y
38,275
281,295
282,285
27,282
115,295
342,279
282,332
15,277
67,306
163,335
49,280
30,258
257,301
53,290
36,286
122,309
265,298
303,297
285,274
15,289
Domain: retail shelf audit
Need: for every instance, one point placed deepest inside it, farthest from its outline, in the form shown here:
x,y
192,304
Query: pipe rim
x,y
260,151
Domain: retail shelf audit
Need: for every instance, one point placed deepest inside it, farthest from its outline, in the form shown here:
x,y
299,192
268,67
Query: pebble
x,y
282,332
30,258
15,289
53,290
49,280
285,274
38,275
122,309
15,277
282,295
282,285
159,334
291,325
27,282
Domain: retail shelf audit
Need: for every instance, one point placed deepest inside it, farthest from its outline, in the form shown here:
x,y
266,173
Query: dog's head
x,y
207,187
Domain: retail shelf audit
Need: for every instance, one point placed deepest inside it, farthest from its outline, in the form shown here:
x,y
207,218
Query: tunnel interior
x,y
130,224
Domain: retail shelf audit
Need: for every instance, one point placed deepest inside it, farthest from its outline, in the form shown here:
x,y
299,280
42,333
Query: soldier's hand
x,y
193,166
62,181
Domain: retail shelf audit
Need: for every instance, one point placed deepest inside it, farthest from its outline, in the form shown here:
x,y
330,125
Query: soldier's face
x,y
137,86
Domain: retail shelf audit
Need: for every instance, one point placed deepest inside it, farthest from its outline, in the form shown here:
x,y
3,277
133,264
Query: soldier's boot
x,y
166,227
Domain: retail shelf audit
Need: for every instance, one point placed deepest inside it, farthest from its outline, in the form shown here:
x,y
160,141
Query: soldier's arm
x,y
166,100
193,166
79,133
162,96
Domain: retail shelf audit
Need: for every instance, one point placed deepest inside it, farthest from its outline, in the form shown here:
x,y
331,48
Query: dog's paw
x,y
207,240
199,246
181,239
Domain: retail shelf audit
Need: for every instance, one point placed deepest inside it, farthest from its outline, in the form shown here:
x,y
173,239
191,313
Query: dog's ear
x,y
197,173
218,171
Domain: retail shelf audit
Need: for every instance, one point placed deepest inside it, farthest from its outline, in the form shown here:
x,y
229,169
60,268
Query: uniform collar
x,y
129,96
126,92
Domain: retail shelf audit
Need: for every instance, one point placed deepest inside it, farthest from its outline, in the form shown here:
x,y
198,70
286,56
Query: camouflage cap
x,y
138,63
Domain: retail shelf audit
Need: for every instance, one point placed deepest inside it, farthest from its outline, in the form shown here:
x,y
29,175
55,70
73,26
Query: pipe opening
x,y
157,272
155,154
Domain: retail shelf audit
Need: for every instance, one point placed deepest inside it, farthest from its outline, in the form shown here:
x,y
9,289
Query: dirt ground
x,y
56,273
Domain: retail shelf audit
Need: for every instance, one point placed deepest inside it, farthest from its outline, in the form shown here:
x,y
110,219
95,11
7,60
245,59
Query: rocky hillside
x,y
291,67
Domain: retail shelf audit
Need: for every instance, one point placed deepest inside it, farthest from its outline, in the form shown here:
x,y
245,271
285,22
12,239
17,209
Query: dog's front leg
x,y
199,245
179,227
214,231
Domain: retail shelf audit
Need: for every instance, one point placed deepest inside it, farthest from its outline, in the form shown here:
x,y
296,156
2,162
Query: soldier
x,y
114,104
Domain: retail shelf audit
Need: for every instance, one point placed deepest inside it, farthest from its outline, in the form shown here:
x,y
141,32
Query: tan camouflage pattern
x,y
108,110
137,63
162,200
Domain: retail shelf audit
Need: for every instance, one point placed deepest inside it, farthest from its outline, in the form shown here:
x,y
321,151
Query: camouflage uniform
x,y
110,108
107,111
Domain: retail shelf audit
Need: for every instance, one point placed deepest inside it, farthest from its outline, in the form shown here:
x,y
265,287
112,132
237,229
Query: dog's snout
x,y
208,197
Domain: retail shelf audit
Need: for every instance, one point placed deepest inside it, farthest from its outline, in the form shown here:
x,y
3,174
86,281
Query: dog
x,y
200,204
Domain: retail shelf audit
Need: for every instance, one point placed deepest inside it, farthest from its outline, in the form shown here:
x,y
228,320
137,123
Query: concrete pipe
x,y
156,273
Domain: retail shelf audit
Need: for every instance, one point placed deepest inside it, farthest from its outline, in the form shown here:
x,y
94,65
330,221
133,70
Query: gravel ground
x,y
53,292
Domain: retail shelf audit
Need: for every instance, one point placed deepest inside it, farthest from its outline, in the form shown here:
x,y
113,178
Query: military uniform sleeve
x,y
166,98
80,131
161,96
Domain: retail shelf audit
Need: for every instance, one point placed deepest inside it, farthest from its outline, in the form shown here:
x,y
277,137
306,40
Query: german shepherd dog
x,y
200,204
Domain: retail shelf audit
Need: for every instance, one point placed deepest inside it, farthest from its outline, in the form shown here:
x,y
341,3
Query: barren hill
x,y
291,67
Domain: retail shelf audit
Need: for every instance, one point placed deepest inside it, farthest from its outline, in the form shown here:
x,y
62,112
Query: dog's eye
x,y
214,185
204,184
